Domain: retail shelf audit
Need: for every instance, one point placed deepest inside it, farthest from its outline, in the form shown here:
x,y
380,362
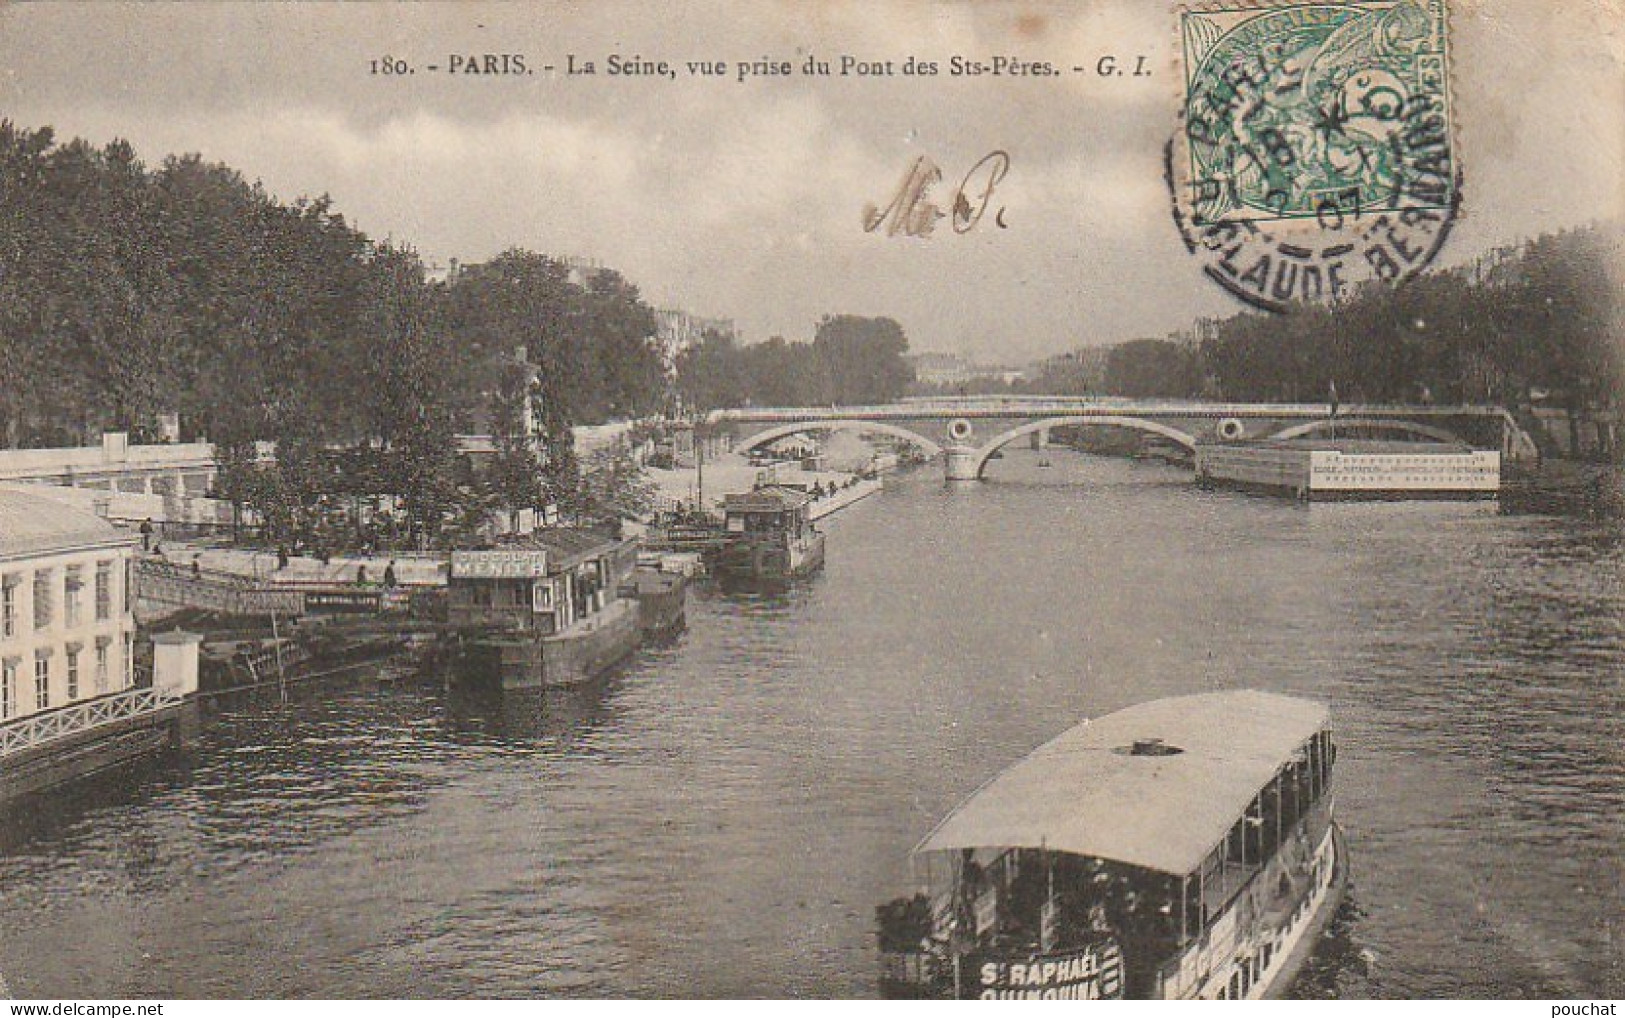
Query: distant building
x,y
515,371
581,269
677,330
66,627
952,369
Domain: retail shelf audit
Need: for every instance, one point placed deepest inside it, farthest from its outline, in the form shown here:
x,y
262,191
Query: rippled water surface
x,y
721,818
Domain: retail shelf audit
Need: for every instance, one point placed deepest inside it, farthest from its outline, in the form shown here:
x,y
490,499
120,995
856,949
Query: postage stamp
x,y
1314,152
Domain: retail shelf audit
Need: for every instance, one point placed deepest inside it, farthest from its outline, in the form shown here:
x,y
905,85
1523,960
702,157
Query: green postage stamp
x,y
1314,151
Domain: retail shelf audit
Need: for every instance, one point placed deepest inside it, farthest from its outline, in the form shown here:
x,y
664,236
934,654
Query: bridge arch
x,y
986,452
771,435
1371,424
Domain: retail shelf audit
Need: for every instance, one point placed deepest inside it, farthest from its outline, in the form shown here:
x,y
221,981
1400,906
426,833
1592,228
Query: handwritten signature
x,y
912,213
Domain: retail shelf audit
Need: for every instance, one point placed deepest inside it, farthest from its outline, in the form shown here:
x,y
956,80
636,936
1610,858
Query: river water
x,y
721,818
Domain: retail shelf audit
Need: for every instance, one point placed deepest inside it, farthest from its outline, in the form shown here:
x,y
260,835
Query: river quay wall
x,y
95,749
831,504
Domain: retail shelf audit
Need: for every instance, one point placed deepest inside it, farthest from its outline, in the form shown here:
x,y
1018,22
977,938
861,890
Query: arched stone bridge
x,y
965,432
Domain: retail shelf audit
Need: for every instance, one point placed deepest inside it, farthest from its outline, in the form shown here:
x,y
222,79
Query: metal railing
x,y
973,405
169,583
175,570
41,729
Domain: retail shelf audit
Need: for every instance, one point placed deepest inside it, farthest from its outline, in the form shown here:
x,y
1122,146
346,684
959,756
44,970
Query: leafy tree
x,y
517,477
851,360
861,359
593,343
613,488
711,374
1152,367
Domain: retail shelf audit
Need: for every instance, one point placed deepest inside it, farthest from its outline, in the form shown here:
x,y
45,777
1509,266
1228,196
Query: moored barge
x,y
1328,470
770,538
558,610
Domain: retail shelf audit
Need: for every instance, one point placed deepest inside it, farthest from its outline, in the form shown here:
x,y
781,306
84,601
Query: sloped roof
x,y
1083,793
32,525
570,546
771,498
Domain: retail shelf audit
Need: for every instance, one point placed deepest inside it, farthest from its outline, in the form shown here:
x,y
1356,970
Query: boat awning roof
x,y
1085,792
568,547
770,499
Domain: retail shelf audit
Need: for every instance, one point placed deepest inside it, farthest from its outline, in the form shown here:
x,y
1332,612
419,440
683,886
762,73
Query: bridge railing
x,y
43,729
1071,404
912,415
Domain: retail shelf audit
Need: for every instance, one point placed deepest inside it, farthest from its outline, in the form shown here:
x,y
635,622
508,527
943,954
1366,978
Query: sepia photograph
x,y
763,499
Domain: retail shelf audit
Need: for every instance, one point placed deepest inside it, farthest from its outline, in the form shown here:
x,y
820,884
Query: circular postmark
x,y
1314,150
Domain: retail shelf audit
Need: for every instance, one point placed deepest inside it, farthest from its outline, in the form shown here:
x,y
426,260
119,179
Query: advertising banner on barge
x,y
1092,973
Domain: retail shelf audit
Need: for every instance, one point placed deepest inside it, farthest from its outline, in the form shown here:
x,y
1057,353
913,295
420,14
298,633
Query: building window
x,y
129,660
42,599
8,687
8,604
73,606
101,667
73,674
42,683
104,591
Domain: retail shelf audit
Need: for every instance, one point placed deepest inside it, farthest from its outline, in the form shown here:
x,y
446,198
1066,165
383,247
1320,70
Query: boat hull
x,y
1246,975
661,601
1277,986
109,746
563,659
769,562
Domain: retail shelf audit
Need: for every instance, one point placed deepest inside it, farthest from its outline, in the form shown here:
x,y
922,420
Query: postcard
x,y
750,499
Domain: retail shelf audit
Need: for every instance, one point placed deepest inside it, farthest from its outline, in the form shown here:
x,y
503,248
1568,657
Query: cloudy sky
x,y
745,199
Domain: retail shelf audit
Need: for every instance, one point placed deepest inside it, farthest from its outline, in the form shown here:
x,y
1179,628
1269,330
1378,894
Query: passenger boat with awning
x,y
1181,848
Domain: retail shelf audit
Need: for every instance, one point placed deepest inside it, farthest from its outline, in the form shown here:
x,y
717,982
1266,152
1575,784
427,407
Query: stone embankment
x,y
861,489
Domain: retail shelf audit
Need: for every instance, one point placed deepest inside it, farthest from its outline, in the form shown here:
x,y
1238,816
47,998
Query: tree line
x,y
1540,321
851,360
129,292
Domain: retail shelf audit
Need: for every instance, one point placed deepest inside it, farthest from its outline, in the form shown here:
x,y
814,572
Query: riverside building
x,y
66,628
70,700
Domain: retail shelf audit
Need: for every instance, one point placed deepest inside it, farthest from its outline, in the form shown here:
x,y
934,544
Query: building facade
x,y
676,331
66,627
